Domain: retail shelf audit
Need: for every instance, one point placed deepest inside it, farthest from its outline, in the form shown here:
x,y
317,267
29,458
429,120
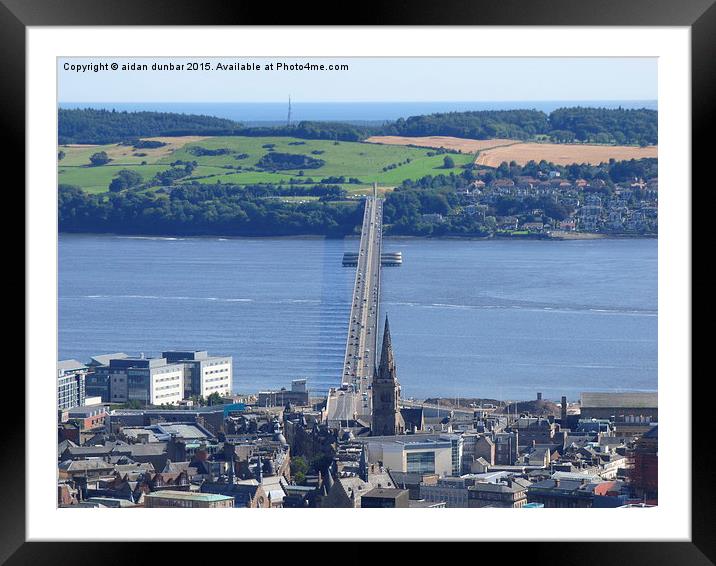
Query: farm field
x,y
494,151
77,154
562,154
447,142
97,179
364,161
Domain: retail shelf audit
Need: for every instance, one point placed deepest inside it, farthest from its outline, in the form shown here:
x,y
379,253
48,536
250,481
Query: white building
x,y
428,456
71,376
204,374
151,381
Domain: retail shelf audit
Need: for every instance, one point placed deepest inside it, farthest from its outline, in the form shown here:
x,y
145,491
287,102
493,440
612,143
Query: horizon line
x,y
355,101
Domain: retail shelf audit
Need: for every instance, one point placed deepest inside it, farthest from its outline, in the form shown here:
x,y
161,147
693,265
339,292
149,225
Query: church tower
x,y
387,419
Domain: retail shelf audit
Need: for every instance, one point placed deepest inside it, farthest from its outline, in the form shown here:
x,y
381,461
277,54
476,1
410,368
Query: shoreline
x,y
558,237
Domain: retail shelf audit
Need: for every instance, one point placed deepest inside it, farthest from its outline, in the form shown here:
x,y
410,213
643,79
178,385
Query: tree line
x,y
577,124
93,126
195,209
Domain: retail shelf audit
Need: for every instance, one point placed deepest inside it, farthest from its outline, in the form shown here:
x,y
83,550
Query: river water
x,y
501,319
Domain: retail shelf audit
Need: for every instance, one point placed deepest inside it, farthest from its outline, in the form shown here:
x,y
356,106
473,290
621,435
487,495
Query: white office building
x,y
204,374
151,381
428,456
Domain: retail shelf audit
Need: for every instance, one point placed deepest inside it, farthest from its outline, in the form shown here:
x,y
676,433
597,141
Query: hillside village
x,y
588,206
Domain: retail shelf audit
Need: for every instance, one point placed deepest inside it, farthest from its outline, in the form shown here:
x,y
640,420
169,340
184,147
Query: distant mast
x,y
288,121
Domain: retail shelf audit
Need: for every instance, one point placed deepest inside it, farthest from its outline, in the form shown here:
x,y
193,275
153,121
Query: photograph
x,y
408,279
358,282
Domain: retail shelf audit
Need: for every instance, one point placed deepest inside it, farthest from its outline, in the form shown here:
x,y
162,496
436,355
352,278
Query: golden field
x,y
494,151
447,142
562,154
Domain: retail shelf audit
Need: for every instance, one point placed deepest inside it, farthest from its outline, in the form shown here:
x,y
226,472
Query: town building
x,y
560,493
97,381
213,417
193,500
644,465
151,381
453,491
506,451
88,417
614,406
70,384
510,493
246,494
297,395
203,374
409,454
382,497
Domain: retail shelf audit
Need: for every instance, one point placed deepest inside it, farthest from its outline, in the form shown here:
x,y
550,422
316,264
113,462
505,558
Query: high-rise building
x,y
386,417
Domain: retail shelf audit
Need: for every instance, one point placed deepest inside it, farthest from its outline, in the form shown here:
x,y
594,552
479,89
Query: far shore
x,y
551,236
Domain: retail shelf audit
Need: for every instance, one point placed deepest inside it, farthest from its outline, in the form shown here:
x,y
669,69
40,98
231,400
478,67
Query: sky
x,y
366,80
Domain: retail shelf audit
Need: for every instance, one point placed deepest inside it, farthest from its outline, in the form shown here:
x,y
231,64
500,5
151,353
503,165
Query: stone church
x,y
386,418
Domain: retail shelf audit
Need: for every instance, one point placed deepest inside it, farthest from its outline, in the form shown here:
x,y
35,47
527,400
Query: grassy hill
x,y
384,164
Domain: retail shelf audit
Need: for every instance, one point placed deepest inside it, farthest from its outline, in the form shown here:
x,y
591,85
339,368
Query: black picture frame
x,y
699,15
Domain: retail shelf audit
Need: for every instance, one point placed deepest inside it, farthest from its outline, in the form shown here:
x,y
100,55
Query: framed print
x,y
411,263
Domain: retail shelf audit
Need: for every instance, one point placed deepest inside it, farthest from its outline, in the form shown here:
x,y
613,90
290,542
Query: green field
x,y
364,161
97,179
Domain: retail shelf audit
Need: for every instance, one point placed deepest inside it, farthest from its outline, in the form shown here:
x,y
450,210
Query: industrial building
x,y
625,407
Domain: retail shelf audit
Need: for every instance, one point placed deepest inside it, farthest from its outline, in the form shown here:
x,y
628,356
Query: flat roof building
x,y
151,381
204,374
620,406
187,499
297,395
425,456
97,380
384,497
71,376
511,493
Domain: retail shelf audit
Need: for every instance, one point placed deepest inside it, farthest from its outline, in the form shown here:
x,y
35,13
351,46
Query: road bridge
x,y
352,400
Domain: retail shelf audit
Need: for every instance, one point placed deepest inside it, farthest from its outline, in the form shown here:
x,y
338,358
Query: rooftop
x,y
103,360
69,365
385,492
632,400
86,410
187,495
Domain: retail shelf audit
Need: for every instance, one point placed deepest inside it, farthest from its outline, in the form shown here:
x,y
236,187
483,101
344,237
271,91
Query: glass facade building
x,y
421,462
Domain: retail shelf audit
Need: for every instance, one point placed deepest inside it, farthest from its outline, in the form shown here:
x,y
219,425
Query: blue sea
x,y
357,112
501,319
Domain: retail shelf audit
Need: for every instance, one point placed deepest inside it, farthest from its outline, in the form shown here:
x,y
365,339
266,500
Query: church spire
x,y
386,417
387,361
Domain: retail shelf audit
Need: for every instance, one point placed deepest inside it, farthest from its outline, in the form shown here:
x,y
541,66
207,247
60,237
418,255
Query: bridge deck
x,y
353,399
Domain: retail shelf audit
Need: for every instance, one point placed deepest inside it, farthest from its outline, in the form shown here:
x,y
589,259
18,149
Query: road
x,y
353,399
